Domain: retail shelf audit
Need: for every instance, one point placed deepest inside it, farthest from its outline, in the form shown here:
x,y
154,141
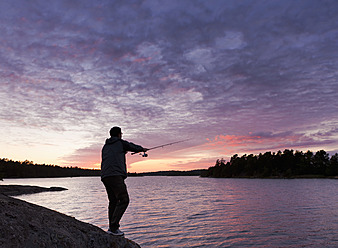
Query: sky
x,y
233,77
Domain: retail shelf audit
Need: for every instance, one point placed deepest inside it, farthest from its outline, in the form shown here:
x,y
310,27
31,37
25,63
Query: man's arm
x,y
128,146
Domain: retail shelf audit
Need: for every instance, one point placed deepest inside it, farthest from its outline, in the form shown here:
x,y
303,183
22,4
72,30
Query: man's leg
x,y
109,184
118,200
122,196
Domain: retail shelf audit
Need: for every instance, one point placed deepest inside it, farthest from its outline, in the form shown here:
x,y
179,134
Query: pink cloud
x,y
202,163
140,60
88,157
235,141
254,143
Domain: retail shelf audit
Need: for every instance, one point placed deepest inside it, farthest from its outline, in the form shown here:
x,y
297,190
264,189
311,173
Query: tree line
x,y
27,169
169,173
286,164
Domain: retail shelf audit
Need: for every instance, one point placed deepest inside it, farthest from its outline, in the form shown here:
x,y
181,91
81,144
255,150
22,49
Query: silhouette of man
x,y
113,174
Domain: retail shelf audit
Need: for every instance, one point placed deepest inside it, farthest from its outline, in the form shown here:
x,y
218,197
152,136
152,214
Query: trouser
x,y
118,199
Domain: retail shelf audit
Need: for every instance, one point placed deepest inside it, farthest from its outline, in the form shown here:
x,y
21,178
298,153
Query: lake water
x,y
206,212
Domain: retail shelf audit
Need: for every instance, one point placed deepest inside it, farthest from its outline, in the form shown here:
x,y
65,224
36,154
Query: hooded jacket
x,y
114,157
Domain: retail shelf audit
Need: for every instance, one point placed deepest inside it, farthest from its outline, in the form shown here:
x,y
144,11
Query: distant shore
x,y
24,224
277,177
27,169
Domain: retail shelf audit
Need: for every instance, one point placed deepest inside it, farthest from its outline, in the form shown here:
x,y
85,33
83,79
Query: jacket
x,y
114,157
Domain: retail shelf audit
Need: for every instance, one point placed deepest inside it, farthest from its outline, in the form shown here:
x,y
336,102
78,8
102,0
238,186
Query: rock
x,y
14,190
24,224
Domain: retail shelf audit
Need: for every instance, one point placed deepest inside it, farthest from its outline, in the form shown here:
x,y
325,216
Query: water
x,y
206,212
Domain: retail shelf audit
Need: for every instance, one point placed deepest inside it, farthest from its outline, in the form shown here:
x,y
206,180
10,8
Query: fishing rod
x,y
160,146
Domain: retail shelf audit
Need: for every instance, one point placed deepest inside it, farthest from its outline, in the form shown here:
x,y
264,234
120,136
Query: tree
x,y
320,162
332,169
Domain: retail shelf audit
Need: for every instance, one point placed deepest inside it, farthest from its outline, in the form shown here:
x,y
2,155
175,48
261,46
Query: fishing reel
x,y
144,155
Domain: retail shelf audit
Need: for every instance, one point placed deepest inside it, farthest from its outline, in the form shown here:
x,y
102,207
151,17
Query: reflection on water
x,y
206,212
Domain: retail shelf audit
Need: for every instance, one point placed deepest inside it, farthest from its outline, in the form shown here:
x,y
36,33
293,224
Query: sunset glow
x,y
233,77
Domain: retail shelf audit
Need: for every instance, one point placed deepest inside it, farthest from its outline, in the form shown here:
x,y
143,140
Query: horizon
x,y
232,77
140,172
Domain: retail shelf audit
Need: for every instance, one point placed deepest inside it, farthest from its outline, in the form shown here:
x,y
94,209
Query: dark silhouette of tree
x,y
332,169
284,164
27,169
320,162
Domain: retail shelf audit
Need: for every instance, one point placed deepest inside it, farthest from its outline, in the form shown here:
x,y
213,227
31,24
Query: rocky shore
x,y
27,225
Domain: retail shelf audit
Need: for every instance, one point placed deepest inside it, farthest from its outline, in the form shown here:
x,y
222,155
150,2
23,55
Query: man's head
x,y
115,132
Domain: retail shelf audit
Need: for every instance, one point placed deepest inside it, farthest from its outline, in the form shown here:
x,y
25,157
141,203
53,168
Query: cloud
x,y
265,141
192,69
86,157
231,40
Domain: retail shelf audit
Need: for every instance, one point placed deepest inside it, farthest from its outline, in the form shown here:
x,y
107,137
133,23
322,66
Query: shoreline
x,y
24,224
276,177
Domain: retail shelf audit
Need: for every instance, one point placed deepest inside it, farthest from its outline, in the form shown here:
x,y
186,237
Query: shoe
x,y
118,232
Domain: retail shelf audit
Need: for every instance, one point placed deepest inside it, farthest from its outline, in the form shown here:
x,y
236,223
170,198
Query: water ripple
x,y
205,212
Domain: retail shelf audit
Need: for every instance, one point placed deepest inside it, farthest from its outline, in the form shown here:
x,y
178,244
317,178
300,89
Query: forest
x,y
27,169
286,164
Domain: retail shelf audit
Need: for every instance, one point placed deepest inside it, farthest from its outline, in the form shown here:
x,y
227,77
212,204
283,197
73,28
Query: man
x,y
113,174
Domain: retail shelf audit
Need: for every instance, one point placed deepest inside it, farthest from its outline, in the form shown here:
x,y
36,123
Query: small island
x,y
24,224
286,164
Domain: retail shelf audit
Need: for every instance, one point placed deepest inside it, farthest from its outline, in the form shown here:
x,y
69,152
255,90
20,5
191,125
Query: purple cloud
x,y
163,70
